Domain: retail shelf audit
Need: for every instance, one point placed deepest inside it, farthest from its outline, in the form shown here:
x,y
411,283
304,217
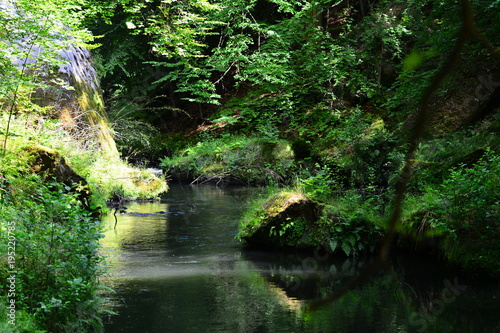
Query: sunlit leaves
x,y
35,35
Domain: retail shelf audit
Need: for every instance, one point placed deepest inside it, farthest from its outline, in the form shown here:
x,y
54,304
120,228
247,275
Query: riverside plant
x,y
57,258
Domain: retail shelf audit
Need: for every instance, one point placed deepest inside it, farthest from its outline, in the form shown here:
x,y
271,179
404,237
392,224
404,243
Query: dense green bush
x,y
465,208
471,195
353,223
56,255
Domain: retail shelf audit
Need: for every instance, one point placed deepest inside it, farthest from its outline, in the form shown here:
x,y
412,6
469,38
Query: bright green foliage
x,y
279,48
176,30
337,79
34,35
105,173
56,255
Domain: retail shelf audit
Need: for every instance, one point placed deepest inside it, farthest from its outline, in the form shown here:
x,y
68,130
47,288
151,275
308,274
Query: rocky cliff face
x,y
63,71
78,102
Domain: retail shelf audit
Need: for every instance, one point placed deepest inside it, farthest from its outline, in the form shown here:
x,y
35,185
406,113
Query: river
x,y
176,267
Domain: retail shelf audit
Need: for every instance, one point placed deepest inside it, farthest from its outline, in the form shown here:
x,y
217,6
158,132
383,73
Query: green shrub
x,y
353,223
319,185
465,208
56,255
25,322
467,199
470,197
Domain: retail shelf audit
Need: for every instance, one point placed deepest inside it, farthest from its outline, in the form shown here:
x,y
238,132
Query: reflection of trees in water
x,y
268,302
243,304
277,295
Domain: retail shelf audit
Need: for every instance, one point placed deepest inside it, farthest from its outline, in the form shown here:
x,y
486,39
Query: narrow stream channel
x,y
176,267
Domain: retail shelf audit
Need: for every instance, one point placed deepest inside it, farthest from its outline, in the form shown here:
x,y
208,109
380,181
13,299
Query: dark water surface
x,y
176,267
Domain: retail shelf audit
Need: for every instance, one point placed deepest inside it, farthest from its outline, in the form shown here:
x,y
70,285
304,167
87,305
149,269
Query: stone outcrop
x,y
51,166
288,221
81,107
71,91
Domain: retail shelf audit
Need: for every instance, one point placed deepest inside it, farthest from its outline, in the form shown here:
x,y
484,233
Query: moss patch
x,y
285,219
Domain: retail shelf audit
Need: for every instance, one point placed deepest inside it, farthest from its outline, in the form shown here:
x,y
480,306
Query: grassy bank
x,y
105,173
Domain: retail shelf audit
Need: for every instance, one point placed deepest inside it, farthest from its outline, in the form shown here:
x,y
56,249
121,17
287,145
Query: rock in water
x,y
287,220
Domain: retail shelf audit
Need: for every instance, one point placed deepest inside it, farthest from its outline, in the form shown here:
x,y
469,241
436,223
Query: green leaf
x,y
346,248
333,245
413,60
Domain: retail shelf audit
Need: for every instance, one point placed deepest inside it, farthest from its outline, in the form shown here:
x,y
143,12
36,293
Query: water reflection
x,y
176,268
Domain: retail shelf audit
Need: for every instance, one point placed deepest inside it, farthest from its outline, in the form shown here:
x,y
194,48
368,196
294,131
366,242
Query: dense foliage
x,y
240,159
320,95
342,82
55,256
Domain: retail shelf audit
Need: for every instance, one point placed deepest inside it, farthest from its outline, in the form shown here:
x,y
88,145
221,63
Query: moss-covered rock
x,y
49,164
287,219
291,218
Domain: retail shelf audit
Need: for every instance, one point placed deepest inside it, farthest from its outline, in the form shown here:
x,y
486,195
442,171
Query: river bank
x,y
52,194
340,213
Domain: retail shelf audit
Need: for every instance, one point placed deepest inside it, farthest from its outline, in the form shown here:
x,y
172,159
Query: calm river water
x,y
176,267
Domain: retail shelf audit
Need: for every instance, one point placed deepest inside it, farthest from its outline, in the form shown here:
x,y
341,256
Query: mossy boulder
x,y
286,219
51,166
49,163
